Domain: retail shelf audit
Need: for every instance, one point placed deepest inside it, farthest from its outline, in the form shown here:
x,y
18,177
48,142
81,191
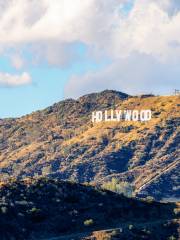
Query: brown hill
x,y
62,141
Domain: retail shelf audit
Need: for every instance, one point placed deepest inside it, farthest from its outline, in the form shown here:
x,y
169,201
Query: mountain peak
x,y
105,93
105,98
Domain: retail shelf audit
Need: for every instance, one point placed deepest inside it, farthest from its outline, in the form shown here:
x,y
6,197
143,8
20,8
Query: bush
x,y
171,238
149,199
34,210
130,227
124,188
4,210
88,222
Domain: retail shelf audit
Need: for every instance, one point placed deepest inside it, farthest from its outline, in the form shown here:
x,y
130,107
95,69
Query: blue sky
x,y
60,49
47,85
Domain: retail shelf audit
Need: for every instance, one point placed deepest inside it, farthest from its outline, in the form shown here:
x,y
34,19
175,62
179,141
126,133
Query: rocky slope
x,y
44,209
61,141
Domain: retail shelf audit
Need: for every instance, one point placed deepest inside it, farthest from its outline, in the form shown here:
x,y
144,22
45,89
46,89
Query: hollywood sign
x,y
121,115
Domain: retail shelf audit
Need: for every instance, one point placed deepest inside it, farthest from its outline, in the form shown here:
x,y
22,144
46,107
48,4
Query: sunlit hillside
x,y
62,141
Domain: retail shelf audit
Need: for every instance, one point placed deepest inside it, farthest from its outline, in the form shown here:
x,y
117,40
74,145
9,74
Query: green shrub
x,y
88,222
130,227
171,238
124,188
4,210
34,210
149,199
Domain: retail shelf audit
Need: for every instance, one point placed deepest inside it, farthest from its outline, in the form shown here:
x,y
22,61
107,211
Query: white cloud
x,y
55,24
171,6
136,74
50,28
63,20
10,80
54,54
148,28
17,61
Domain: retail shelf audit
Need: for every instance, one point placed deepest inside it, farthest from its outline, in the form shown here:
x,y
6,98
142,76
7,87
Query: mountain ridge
x,y
62,141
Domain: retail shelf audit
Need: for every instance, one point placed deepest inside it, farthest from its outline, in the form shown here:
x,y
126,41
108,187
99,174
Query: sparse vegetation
x,y
114,185
62,141
40,214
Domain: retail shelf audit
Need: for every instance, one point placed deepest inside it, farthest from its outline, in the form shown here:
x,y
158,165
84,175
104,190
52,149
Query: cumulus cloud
x,y
10,80
64,20
171,6
148,30
137,74
51,27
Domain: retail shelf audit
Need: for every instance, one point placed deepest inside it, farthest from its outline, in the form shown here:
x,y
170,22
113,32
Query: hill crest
x,y
62,141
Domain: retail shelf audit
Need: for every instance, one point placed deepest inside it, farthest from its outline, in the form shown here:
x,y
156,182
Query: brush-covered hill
x,y
62,141
44,209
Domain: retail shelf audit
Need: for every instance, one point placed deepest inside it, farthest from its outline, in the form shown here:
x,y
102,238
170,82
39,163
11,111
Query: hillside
x,y
61,141
44,208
